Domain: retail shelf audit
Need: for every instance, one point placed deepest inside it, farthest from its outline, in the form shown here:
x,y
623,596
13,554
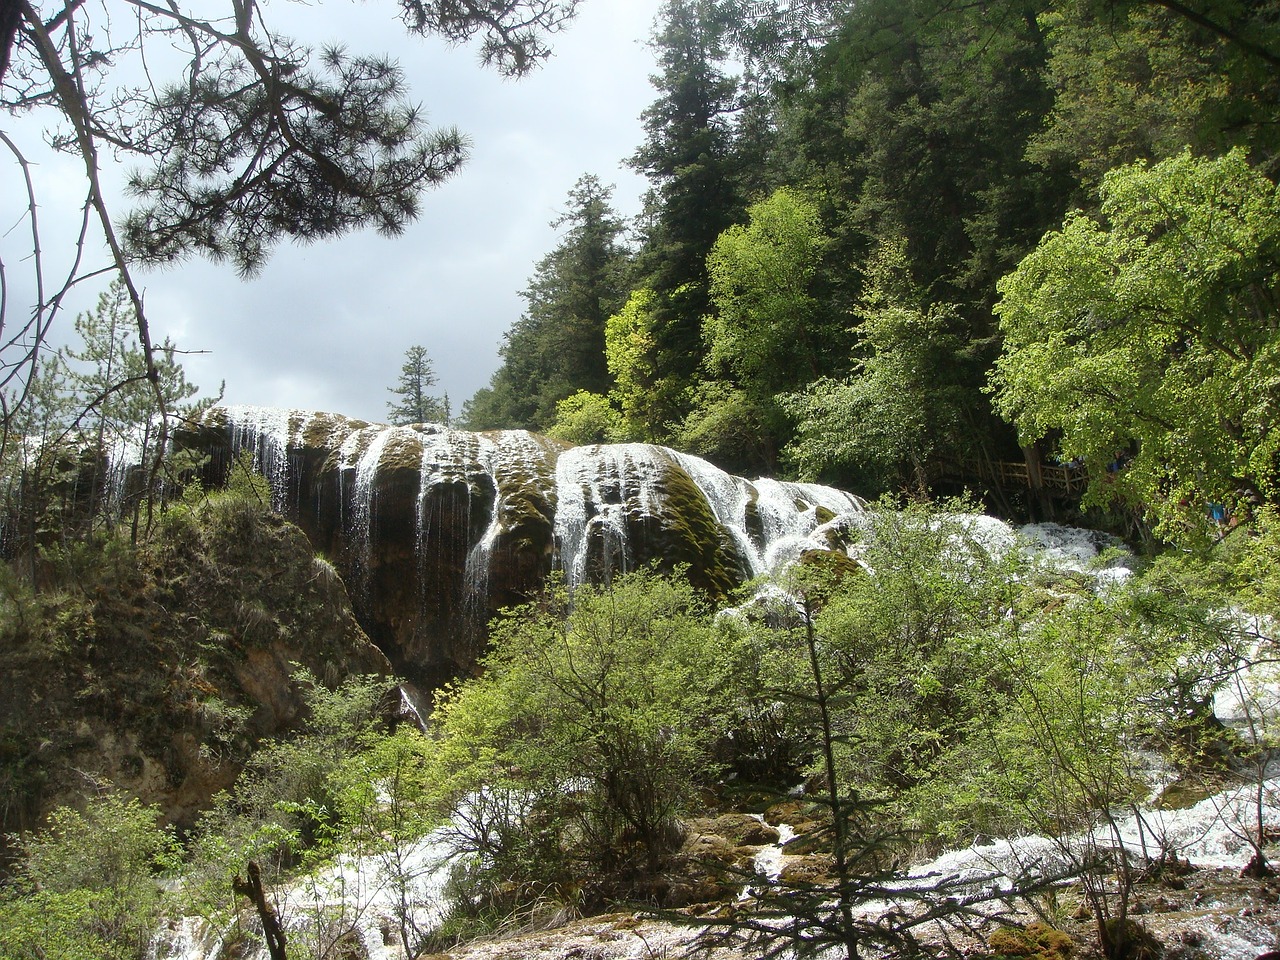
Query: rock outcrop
x,y
435,529
160,669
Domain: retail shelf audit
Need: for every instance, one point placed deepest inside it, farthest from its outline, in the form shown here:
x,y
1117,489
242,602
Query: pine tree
x,y
689,159
251,137
557,347
415,405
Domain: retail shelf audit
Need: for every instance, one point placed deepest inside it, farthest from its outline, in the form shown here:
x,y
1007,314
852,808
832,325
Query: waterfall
x,y
265,432
435,528
790,513
599,494
730,498
593,501
786,514
476,571
512,459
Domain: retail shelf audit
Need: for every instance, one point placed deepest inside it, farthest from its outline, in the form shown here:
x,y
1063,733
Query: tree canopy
x,y
793,149
1147,338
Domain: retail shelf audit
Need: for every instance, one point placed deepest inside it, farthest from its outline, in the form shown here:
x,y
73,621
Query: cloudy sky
x,y
326,326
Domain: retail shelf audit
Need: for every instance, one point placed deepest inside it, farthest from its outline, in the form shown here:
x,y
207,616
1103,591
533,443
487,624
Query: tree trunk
x,y
271,929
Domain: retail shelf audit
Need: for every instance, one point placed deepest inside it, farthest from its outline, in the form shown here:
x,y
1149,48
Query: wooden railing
x,y
1069,481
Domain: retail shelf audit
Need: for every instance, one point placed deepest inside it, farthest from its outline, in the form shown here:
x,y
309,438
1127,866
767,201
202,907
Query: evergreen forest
x,y
894,245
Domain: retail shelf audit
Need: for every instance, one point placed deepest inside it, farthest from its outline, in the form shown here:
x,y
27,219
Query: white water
x,y
786,513
598,494
362,894
595,490
265,432
596,487
365,897
509,458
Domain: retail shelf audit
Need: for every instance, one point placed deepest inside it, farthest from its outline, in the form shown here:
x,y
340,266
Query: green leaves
x,y
597,715
768,331
904,402
1154,330
86,886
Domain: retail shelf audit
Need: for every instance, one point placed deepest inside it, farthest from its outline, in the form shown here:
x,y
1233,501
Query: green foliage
x,y
631,348
767,330
902,157
905,402
388,798
1036,941
735,429
1154,331
690,159
585,418
590,731
303,799
413,403
1137,81
97,427
910,649
1091,683
88,884
151,640
292,783
557,348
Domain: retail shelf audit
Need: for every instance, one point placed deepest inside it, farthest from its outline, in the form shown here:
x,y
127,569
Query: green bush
x,y
589,733
88,884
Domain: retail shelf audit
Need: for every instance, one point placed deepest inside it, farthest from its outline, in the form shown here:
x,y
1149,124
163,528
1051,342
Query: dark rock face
x,y
435,530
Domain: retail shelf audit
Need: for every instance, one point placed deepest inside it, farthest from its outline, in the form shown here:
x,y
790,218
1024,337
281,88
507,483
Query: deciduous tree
x,y
1148,339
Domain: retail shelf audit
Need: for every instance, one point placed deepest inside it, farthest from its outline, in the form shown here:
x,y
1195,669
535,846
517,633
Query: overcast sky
x,y
325,326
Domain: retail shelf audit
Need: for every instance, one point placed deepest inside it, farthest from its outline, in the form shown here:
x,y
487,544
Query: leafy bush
x,y
570,759
87,885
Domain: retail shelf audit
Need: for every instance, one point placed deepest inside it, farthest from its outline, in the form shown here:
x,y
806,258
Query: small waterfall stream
x,y
596,488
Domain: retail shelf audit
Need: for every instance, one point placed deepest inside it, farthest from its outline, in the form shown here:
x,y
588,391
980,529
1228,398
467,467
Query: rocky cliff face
x,y
437,529
160,667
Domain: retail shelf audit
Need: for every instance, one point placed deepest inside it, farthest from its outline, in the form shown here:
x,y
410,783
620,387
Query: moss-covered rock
x,y
436,530
1036,941
160,668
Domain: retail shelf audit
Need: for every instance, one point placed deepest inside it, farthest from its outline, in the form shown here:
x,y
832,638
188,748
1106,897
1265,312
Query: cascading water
x,y
511,459
729,497
787,514
595,488
598,493
435,528
360,456
268,434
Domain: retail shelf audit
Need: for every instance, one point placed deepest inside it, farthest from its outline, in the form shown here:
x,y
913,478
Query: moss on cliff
x,y
158,666
686,532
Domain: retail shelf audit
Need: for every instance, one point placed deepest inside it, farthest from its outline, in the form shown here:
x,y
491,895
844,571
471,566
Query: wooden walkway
x,y
1067,481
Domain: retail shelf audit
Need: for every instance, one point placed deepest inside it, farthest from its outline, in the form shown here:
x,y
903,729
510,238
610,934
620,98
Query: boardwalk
x,y
1065,481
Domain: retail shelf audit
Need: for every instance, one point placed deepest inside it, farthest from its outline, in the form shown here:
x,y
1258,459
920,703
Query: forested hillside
x,y
876,230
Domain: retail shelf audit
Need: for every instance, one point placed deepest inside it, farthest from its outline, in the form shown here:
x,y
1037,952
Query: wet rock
x,y
435,530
